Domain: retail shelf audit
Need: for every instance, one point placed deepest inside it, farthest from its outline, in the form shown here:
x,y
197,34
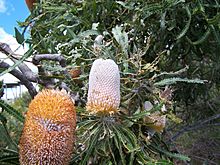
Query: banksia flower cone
x,y
48,133
104,87
158,122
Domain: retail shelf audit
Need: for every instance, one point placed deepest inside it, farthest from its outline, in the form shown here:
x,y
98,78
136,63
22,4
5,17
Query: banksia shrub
x,y
48,133
104,87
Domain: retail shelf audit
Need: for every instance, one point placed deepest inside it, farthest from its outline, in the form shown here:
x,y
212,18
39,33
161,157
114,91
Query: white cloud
x,y
10,40
11,93
2,6
18,49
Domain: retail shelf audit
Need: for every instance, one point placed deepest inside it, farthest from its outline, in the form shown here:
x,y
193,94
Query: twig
x,y
194,126
54,57
26,71
21,77
26,75
5,48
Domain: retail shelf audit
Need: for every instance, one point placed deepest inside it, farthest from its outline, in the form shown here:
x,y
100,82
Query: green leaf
x,y
179,72
3,119
216,33
19,37
143,114
215,20
24,57
92,143
160,162
119,147
174,155
101,149
127,138
142,157
170,81
186,28
6,134
121,37
9,151
203,38
9,159
11,111
88,33
127,5
70,32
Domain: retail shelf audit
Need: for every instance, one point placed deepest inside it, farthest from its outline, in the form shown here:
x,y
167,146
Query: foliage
x,y
156,43
11,126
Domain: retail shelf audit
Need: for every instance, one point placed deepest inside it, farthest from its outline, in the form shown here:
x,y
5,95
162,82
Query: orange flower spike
x,y
48,133
104,88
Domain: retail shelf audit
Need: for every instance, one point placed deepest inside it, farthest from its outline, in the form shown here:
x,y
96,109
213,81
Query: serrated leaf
x,y
6,135
24,57
126,5
119,147
170,81
9,151
3,119
143,114
70,32
121,37
19,37
160,162
215,20
185,29
142,158
127,138
174,155
203,38
9,159
9,109
215,31
88,33
92,143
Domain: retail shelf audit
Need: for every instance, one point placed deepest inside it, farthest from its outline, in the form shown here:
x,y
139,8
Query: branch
x,y
194,126
27,72
5,48
54,57
21,77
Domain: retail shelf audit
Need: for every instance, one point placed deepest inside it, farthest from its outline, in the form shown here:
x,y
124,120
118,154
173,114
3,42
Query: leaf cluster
x,y
155,43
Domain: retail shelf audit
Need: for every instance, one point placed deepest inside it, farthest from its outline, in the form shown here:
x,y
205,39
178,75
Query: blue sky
x,y
12,11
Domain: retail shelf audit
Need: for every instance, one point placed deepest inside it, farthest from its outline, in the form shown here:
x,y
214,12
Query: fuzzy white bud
x,y
104,87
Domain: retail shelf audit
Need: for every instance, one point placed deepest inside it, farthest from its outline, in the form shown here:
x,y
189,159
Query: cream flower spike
x,y
104,87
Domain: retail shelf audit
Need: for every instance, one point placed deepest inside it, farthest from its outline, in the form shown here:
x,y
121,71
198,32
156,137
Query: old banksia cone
x,y
48,133
158,122
104,87
155,121
30,3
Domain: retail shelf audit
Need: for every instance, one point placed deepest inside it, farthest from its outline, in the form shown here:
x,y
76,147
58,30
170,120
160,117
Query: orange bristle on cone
x,y
48,133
